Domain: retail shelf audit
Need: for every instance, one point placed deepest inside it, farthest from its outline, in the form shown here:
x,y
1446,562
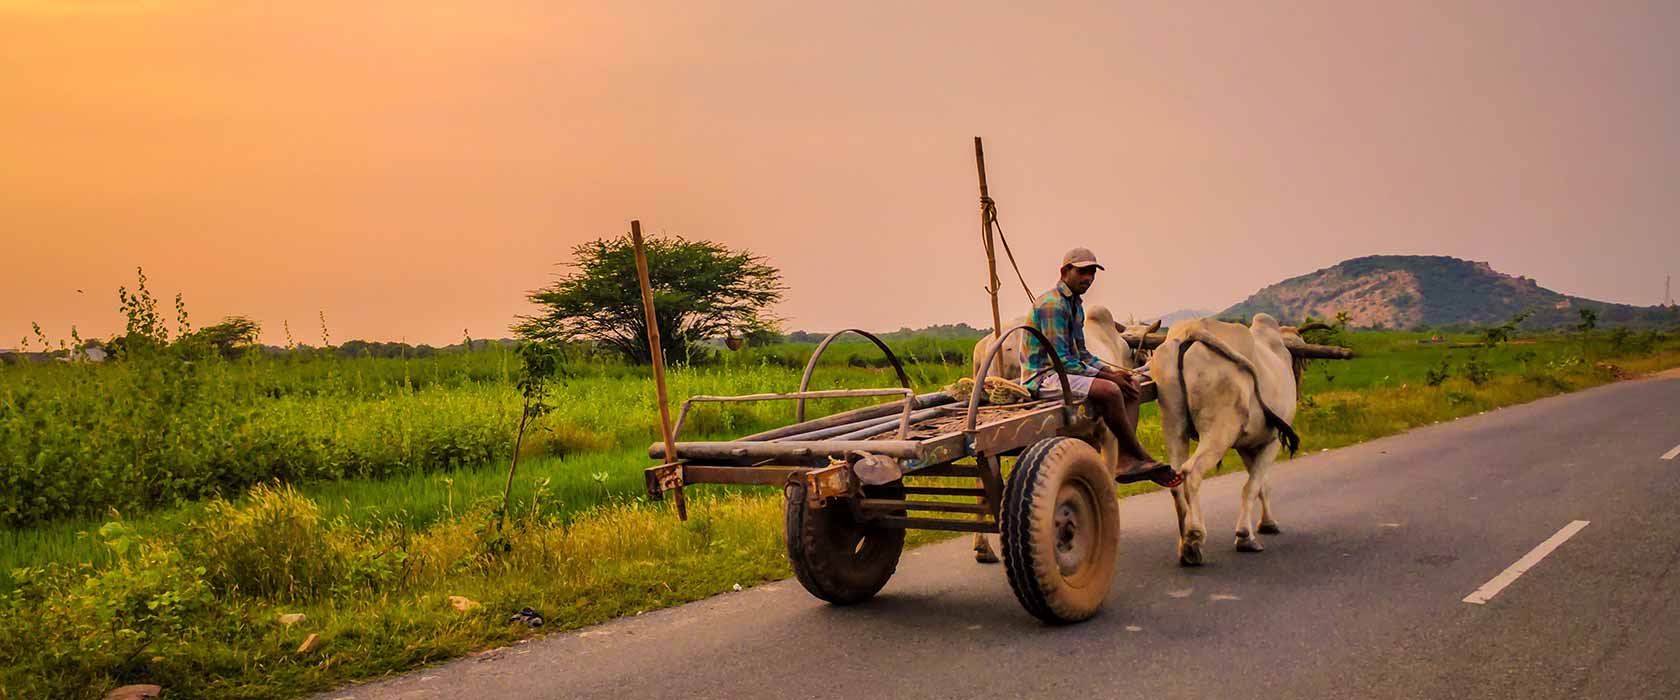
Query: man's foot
x,y
1162,474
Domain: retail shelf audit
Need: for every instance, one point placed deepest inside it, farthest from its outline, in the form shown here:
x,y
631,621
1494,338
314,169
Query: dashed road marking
x,y
1493,587
1671,454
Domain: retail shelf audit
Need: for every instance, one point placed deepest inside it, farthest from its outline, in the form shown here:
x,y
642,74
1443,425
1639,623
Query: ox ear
x,y
1153,327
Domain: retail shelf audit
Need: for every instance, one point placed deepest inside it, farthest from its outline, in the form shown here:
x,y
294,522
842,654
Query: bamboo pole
x,y
986,235
658,359
982,548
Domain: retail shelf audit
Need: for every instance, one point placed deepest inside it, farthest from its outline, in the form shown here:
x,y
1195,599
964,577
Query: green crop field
x,y
158,517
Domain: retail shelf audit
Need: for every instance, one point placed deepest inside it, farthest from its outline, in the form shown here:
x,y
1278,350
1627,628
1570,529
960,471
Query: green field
x,y
134,548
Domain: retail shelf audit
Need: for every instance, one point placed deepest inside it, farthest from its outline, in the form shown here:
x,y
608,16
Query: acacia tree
x,y
701,289
230,337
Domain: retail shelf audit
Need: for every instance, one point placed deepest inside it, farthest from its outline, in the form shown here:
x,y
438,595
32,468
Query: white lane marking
x,y
1493,587
1671,454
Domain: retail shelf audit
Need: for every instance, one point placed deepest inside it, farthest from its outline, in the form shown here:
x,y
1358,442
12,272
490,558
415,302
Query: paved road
x,y
1360,597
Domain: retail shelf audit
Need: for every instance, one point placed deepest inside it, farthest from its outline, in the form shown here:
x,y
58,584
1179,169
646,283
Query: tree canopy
x,y
701,290
230,337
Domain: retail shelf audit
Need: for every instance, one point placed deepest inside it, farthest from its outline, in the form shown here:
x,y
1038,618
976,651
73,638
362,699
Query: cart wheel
x,y
834,556
1061,530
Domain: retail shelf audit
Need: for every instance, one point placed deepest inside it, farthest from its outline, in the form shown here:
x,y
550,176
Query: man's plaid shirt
x,y
1060,316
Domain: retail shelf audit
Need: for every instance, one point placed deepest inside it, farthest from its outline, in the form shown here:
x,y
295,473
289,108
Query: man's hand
x,y
1128,381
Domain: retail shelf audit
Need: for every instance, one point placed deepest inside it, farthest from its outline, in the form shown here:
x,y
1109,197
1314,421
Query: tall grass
x,y
81,439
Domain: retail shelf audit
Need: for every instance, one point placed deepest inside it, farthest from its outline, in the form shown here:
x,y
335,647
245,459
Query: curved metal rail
x,y
986,368
811,366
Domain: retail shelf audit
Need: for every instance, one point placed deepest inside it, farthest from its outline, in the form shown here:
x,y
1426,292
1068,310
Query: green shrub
x,y
272,545
1477,370
71,631
1439,373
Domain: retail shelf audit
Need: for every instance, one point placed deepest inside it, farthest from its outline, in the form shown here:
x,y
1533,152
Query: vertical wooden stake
x,y
983,548
658,359
986,235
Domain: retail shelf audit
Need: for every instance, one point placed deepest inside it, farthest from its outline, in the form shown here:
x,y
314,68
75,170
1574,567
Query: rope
x,y
988,212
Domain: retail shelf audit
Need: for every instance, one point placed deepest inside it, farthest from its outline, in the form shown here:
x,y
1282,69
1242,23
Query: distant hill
x,y
1406,291
1171,317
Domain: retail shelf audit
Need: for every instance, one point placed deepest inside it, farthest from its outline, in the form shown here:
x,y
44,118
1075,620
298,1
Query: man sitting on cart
x,y
1113,390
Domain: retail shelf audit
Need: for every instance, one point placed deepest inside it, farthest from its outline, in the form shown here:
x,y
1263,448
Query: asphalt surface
x,y
1360,597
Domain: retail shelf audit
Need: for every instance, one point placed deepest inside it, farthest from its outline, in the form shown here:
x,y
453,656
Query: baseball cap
x,y
1081,257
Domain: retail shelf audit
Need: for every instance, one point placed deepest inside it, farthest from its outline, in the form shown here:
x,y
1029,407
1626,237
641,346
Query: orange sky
x,y
412,168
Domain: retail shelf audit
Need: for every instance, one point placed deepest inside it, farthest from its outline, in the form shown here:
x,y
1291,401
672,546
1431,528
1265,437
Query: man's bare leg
x,y
1120,414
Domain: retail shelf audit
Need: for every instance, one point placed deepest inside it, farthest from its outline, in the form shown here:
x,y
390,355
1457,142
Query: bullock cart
x,y
855,481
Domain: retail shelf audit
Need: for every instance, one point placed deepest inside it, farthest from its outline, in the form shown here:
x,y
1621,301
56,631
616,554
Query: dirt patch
x,y
1670,373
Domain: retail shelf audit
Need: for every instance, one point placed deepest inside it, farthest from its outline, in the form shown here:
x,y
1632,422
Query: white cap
x,y
1081,257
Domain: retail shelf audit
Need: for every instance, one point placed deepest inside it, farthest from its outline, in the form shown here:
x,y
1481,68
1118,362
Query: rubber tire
x,y
1051,473
823,545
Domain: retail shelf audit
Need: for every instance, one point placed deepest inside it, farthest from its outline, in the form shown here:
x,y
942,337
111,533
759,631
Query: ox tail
x,y
1286,434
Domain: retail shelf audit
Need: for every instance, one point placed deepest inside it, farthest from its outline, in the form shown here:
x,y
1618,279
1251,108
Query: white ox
x,y
1226,386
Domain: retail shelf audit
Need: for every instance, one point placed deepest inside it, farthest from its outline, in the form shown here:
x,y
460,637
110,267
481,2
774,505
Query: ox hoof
x,y
983,551
1249,544
1270,527
1190,550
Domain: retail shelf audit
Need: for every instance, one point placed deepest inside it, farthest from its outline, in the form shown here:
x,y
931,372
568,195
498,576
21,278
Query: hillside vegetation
x,y
1434,291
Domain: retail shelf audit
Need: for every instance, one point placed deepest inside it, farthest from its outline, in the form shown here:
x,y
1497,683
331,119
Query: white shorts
x,y
1050,386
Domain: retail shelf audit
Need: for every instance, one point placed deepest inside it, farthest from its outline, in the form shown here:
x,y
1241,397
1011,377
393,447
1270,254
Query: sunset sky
x,y
412,168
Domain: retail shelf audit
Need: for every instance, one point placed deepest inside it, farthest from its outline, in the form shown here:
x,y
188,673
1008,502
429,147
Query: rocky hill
x,y
1407,291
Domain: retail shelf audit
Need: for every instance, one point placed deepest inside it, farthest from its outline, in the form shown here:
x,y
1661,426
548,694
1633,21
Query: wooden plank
x,y
946,470
935,398
792,453
931,506
947,525
752,476
1020,431
941,491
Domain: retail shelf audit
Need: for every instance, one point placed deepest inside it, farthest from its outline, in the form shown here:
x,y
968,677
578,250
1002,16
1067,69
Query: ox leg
x,y
1209,450
1257,462
1178,451
1195,531
1268,525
